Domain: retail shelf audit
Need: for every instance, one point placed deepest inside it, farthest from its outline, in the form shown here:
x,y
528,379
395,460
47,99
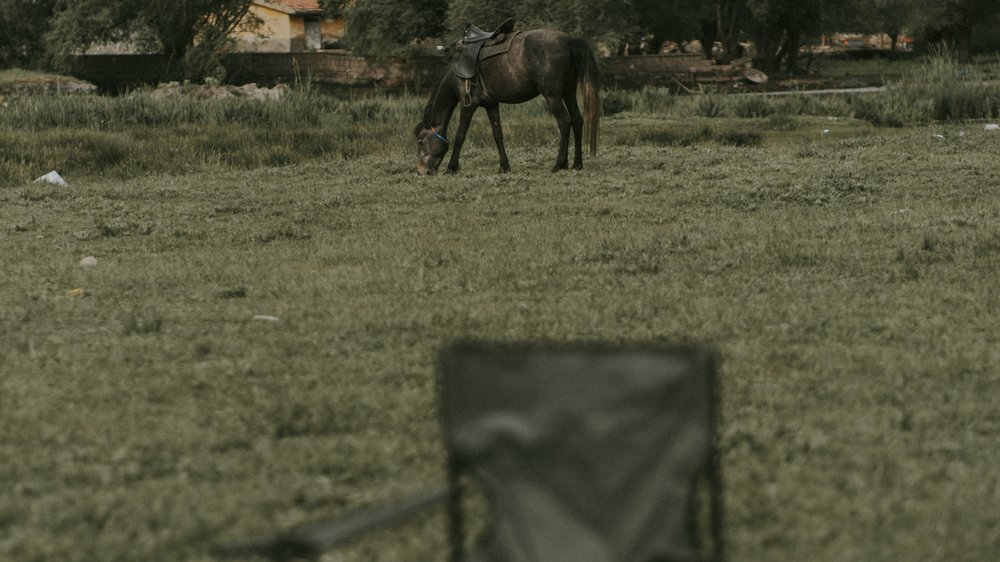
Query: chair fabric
x,y
585,453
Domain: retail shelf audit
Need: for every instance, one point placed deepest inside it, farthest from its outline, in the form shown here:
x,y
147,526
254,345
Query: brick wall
x,y
344,69
336,68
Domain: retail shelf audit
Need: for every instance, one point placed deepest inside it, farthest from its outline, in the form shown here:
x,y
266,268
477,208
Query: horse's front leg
x,y
494,114
464,119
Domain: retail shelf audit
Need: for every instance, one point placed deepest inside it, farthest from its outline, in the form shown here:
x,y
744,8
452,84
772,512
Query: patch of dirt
x,y
45,83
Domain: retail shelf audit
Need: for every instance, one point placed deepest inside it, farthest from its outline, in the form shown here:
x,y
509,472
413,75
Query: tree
x,y
388,27
669,20
334,8
601,22
891,17
959,23
779,26
22,25
723,21
192,33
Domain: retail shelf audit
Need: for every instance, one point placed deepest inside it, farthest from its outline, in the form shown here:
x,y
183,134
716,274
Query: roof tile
x,y
297,5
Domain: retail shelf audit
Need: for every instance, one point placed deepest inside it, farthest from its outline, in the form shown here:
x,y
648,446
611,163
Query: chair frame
x,y
310,540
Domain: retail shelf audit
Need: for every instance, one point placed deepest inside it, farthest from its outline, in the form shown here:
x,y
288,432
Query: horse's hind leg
x,y
558,110
493,111
576,121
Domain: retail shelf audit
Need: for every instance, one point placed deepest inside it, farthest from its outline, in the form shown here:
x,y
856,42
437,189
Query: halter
x,y
439,135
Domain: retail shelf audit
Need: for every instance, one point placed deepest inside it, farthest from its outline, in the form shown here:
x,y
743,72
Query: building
x,y
290,26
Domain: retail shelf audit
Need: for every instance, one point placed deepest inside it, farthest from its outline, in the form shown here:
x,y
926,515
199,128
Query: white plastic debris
x,y
826,132
938,136
992,127
266,318
53,177
88,262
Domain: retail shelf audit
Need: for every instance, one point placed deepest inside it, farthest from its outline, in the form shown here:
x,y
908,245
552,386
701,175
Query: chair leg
x,y
456,524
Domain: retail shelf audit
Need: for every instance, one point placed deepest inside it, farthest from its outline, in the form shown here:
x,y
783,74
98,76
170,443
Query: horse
x,y
542,62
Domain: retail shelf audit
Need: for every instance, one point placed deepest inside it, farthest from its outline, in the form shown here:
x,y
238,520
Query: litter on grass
x,y
52,177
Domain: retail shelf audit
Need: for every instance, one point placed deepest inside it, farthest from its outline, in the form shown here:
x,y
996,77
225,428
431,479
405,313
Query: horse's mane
x,y
442,88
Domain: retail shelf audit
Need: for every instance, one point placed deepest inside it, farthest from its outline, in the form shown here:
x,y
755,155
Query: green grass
x,y
848,280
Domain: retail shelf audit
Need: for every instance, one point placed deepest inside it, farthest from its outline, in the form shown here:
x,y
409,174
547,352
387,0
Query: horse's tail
x,y
590,80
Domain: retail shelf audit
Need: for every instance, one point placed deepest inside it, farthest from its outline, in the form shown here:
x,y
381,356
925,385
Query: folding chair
x,y
584,453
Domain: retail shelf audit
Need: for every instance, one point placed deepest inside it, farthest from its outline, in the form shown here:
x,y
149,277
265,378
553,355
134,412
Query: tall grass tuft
x,y
143,132
941,89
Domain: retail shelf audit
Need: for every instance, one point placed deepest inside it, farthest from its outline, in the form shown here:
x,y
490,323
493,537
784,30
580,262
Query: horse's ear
x,y
420,128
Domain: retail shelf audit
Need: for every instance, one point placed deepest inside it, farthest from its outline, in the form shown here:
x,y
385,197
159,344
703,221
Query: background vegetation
x,y
255,345
194,33
777,28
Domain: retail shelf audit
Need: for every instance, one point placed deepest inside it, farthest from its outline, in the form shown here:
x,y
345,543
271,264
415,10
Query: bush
x,y
616,101
708,105
748,107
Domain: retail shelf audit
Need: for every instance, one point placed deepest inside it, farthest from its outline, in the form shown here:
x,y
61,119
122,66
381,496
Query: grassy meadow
x,y
255,345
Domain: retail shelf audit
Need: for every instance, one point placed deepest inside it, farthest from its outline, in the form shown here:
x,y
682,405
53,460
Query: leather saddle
x,y
473,41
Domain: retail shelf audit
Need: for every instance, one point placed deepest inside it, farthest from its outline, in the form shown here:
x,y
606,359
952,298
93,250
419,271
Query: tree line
x,y
45,33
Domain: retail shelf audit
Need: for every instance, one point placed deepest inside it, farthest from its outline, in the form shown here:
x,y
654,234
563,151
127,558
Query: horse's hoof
x,y
504,169
558,168
450,171
578,167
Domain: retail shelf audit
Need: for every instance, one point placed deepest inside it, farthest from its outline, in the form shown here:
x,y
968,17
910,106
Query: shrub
x,y
616,101
708,105
748,107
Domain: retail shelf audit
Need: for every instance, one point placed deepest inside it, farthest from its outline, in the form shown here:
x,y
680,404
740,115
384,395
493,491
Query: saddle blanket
x,y
497,49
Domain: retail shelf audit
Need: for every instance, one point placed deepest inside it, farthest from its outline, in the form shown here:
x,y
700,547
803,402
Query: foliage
x,y
334,8
848,281
891,17
778,27
191,32
674,20
22,25
389,27
606,22
960,23
724,21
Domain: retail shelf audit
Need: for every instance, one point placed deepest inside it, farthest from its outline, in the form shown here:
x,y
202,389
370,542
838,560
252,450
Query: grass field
x,y
146,411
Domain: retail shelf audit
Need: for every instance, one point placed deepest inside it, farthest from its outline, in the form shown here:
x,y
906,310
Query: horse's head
x,y
432,145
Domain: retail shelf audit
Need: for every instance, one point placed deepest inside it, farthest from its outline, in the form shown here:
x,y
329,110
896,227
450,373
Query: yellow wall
x,y
333,28
274,34
297,24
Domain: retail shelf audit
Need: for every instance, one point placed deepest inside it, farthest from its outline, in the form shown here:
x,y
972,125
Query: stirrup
x,y
467,97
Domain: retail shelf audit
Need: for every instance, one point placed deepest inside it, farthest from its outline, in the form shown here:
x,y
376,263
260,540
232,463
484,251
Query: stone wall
x,y
634,72
340,68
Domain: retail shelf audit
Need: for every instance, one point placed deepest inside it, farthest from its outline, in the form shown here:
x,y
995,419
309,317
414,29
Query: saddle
x,y
473,41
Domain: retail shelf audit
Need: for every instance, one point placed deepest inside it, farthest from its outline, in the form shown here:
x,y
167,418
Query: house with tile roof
x,y
290,26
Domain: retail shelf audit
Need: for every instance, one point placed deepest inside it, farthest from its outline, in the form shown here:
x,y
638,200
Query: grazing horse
x,y
540,62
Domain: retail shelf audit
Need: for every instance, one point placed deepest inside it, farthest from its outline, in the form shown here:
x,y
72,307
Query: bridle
x,y
440,137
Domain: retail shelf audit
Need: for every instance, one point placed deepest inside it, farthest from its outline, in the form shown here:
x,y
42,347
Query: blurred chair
x,y
583,453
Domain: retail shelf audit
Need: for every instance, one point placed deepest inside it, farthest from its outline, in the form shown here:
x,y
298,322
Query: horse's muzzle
x,y
428,165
